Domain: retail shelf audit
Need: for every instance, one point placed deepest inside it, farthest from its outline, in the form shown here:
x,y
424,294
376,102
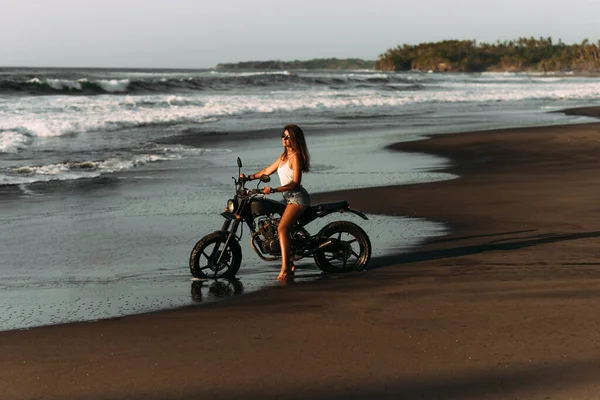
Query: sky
x,y
203,33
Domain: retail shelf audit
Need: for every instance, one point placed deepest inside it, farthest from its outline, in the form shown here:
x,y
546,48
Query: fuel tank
x,y
259,206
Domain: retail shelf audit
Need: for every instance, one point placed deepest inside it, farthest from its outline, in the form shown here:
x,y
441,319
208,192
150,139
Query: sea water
x,y
98,214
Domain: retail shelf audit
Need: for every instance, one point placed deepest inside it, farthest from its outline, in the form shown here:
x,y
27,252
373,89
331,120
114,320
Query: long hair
x,y
298,145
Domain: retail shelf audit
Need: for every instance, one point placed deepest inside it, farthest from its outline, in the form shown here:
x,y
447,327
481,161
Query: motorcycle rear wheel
x,y
211,260
351,250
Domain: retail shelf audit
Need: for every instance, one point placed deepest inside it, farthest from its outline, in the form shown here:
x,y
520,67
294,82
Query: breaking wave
x,y
93,168
35,117
12,141
181,84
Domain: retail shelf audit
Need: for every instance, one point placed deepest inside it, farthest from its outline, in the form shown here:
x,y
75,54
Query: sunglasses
x,y
285,137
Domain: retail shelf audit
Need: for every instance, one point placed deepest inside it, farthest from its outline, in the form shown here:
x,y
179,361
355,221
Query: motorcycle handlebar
x,y
257,191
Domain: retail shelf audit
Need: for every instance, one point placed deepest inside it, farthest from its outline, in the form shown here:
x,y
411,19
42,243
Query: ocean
x,y
109,177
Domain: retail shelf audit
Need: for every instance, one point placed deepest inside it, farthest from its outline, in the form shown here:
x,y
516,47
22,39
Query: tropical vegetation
x,y
521,55
524,54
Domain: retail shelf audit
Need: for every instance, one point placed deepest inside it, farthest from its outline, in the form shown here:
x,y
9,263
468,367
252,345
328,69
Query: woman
x,y
294,160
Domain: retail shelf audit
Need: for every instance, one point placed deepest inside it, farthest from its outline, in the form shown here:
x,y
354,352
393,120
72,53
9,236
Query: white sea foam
x,y
176,101
61,84
63,115
502,73
367,76
108,85
257,73
51,116
93,168
12,142
547,79
114,85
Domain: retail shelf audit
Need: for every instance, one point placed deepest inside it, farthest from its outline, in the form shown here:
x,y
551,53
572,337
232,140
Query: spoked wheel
x,y
211,259
350,248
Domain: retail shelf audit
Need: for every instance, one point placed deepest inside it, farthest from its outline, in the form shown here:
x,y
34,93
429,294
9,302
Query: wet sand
x,y
506,306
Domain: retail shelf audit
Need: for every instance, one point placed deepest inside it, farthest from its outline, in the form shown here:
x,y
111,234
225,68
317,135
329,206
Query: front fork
x,y
225,227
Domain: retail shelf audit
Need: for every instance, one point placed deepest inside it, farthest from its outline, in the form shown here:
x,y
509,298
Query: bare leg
x,y
288,219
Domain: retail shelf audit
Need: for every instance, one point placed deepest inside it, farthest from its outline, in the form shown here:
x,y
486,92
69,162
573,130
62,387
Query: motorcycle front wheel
x,y
350,249
211,259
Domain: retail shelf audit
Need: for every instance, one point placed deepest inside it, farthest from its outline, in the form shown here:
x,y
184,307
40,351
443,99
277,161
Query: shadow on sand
x,y
504,244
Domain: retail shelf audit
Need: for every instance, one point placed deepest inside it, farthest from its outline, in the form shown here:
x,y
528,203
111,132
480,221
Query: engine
x,y
269,239
267,228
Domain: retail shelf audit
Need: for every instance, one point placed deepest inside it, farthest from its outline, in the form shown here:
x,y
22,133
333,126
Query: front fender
x,y
228,215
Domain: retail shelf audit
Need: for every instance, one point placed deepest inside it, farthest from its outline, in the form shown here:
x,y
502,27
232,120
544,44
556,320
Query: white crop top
x,y
286,174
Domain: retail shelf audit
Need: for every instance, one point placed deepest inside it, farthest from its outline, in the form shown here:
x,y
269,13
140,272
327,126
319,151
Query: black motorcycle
x,y
339,246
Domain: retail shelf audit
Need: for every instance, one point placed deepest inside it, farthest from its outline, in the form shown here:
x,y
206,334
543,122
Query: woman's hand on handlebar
x,y
268,190
244,178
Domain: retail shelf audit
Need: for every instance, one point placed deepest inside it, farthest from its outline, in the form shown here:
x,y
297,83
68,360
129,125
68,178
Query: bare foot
x,y
286,276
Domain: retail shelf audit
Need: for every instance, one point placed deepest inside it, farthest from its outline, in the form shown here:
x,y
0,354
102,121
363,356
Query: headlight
x,y
231,206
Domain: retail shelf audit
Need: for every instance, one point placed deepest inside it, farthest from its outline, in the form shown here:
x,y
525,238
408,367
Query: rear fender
x,y
343,210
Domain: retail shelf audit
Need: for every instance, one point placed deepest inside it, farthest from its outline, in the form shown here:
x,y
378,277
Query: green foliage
x,y
318,63
523,54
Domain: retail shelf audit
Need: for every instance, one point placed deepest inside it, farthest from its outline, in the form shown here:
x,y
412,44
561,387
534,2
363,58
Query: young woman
x,y
294,160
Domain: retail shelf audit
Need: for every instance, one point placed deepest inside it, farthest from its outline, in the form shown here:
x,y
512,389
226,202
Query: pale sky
x,y
202,33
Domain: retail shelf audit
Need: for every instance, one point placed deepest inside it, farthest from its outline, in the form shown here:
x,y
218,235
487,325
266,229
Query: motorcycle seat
x,y
319,209
338,205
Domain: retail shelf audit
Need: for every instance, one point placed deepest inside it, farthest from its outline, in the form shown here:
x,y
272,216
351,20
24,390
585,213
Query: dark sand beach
x,y
506,306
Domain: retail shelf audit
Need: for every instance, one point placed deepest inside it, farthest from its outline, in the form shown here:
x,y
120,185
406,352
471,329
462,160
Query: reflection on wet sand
x,y
210,290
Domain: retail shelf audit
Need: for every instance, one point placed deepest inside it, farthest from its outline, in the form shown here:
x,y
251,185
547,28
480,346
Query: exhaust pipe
x,y
321,246
325,245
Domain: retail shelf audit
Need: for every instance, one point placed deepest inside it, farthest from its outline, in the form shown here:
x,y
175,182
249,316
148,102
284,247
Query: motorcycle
x,y
340,246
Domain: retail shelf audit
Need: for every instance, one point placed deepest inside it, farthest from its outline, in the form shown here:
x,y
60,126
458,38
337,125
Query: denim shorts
x,y
297,196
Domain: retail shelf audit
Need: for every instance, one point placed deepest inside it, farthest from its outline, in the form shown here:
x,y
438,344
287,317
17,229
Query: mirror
x,y
239,161
265,178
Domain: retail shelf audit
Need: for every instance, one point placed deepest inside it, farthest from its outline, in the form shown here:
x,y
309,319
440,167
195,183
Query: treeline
x,y
522,55
318,63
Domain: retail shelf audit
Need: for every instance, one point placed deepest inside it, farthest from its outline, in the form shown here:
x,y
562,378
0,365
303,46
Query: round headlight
x,y
230,206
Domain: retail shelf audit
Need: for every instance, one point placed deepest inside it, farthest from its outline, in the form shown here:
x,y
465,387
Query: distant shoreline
x,y
316,63
520,55
279,66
